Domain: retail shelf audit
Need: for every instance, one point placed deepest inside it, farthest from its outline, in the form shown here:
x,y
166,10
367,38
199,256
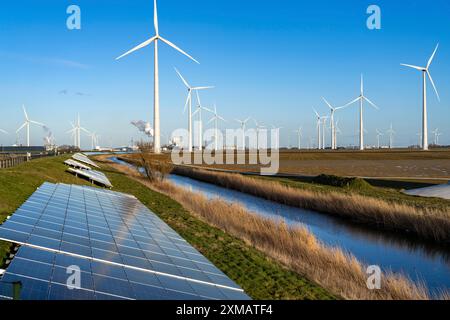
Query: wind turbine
x,y
337,131
73,131
379,134
324,124
425,72
258,126
391,136
26,125
155,39
333,131
199,111
93,136
419,135
76,129
216,119
243,124
436,136
319,122
189,103
277,146
299,135
361,99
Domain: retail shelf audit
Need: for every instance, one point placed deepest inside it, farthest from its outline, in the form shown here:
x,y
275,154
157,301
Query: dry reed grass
x,y
428,224
293,246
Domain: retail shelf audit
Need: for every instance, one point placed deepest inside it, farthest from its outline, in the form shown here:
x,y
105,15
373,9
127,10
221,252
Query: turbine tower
x,y
391,136
243,123
216,119
155,39
425,71
189,103
299,136
436,136
26,125
379,134
361,99
337,131
333,129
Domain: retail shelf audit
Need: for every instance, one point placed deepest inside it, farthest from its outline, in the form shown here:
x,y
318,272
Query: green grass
x,y
387,192
259,276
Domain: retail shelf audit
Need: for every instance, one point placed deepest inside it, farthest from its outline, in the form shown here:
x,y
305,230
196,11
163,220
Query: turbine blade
x,y
317,114
178,49
155,18
371,103
220,118
4,131
432,56
411,66
187,100
328,104
182,79
211,120
203,88
37,123
350,103
432,82
21,127
140,46
25,112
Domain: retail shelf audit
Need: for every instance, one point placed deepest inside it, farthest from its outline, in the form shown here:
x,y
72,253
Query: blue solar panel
x,y
123,250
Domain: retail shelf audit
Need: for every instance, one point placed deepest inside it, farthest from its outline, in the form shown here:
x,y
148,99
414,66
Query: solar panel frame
x,y
76,164
105,235
92,175
85,159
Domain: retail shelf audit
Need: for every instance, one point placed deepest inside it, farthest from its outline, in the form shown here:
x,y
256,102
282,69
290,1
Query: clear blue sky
x,y
269,59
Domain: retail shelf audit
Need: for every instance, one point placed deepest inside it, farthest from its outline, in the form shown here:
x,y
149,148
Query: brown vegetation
x,y
428,224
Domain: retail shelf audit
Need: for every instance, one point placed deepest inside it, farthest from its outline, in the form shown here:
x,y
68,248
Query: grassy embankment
x,y
261,277
295,247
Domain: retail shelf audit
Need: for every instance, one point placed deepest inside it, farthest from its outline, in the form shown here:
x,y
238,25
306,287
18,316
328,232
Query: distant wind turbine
x,y
319,134
361,99
243,123
379,134
425,71
155,39
333,130
26,125
277,145
299,136
216,119
437,134
199,110
191,89
76,130
391,133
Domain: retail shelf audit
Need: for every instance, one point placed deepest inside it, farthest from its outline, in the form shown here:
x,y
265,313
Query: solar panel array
x,y
92,175
122,249
76,164
83,158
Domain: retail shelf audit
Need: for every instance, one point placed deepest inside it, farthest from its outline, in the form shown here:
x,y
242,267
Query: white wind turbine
x,y
216,119
361,99
199,110
299,136
319,122
26,125
425,72
243,123
155,39
419,135
379,135
189,103
73,132
337,131
277,142
76,131
94,142
258,127
391,133
333,130
436,136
